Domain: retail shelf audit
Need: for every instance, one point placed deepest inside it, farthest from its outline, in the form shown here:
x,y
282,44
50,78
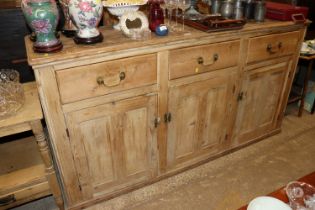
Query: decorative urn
x,y
42,16
86,15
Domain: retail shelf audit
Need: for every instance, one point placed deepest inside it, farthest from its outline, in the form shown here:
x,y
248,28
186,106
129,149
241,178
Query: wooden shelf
x,y
22,173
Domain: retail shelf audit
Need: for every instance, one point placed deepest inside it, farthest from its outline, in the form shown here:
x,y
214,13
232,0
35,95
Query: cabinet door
x,y
199,120
262,92
114,145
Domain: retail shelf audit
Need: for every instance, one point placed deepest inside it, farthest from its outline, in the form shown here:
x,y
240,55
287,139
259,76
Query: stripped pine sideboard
x,y
122,114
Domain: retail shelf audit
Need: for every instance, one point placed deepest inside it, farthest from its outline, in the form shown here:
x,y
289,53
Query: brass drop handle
x,y
7,200
111,81
272,49
201,61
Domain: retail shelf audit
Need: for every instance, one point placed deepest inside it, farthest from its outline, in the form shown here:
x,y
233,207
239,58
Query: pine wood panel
x,y
258,109
293,67
13,156
114,144
137,74
199,119
280,45
163,74
5,131
185,61
50,100
27,177
27,194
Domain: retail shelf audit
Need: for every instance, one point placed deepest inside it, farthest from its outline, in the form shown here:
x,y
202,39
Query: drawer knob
x,y
271,49
112,80
201,61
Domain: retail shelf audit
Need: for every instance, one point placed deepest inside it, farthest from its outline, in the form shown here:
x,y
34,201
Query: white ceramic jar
x,y
86,15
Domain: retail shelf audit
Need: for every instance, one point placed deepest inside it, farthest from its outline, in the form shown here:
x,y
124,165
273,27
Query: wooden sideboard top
x,y
116,44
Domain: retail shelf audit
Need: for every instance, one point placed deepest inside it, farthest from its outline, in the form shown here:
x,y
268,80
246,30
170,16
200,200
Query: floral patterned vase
x,y
86,15
42,16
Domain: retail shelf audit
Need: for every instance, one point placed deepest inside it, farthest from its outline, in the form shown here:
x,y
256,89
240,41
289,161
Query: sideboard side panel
x,y
50,100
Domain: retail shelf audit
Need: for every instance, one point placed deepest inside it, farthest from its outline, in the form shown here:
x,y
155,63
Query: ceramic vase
x,y
69,29
86,15
42,16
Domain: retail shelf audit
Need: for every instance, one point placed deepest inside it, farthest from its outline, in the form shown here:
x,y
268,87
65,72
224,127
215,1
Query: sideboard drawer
x,y
272,46
199,59
107,77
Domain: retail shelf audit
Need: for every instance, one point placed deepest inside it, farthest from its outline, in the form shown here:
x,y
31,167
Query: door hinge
x,y
67,131
157,121
167,117
240,96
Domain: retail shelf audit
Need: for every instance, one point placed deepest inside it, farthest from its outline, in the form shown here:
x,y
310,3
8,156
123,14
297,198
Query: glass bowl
x,y
301,195
11,92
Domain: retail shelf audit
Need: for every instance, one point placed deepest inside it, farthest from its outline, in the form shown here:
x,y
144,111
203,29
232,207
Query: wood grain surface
x,y
115,41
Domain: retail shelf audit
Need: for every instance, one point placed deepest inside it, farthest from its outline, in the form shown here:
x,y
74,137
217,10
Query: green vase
x,y
42,16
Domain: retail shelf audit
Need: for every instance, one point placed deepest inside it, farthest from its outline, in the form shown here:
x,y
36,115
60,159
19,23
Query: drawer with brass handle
x,y
111,81
272,46
106,77
205,58
210,62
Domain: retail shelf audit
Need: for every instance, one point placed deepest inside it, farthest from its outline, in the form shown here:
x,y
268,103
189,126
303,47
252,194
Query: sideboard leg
x,y
37,129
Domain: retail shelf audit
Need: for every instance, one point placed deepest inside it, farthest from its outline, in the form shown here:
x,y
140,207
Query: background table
x,y
281,194
26,169
297,97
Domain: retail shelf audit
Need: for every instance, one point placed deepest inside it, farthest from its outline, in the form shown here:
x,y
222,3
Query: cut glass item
x,y
9,75
301,195
11,92
307,49
311,43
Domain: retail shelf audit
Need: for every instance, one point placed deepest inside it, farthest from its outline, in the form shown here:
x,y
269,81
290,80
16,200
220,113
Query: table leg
x,y
37,129
306,78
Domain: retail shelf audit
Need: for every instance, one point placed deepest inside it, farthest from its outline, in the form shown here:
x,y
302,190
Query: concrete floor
x,y
228,182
